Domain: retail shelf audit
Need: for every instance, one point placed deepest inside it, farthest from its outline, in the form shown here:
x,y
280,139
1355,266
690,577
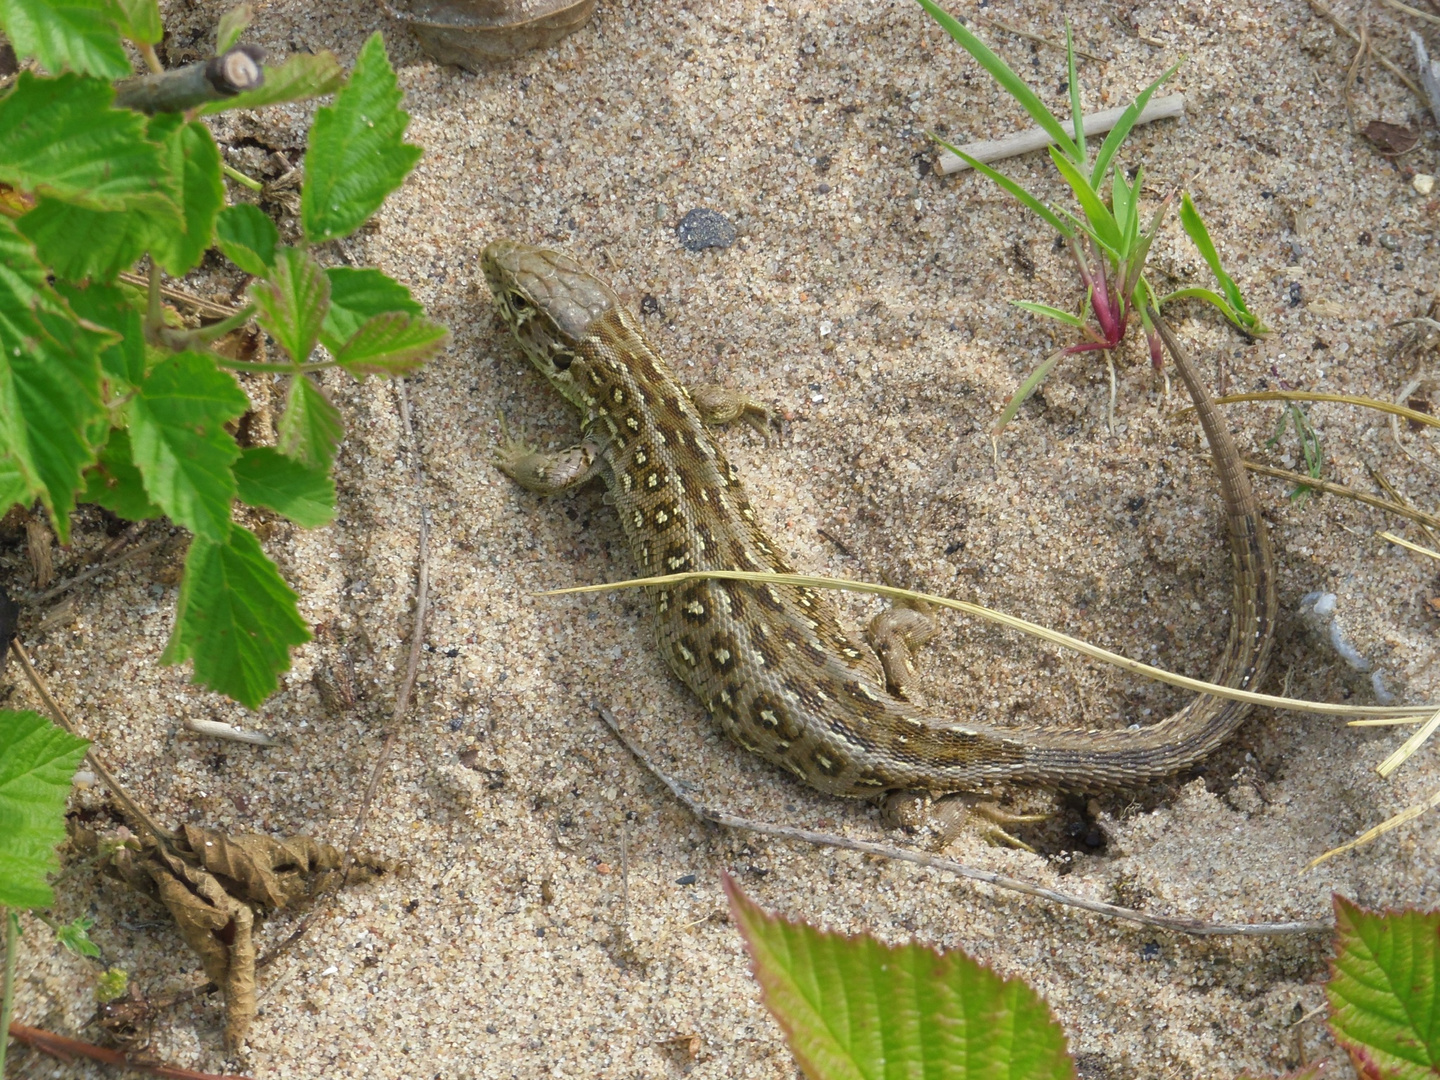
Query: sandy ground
x,y
547,922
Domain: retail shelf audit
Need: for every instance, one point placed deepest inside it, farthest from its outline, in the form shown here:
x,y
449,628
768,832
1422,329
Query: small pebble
x,y
1388,242
702,228
685,879
1424,183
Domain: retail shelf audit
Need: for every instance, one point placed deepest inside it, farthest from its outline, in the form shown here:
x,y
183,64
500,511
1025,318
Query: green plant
x,y
1106,238
104,396
1311,449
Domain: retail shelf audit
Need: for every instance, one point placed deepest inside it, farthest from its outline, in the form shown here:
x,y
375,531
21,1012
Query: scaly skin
x,y
772,663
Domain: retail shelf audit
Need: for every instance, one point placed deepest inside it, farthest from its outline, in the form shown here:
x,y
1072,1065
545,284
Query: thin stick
x,y
1408,10
58,715
67,1050
1022,142
98,568
1385,62
1196,927
1395,496
1342,399
183,88
1385,826
1028,36
1349,493
205,307
1135,667
1410,745
1392,538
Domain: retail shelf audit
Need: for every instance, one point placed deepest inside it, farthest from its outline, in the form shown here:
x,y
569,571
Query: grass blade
x,y
1127,121
1077,115
1051,313
1022,393
1001,73
1021,195
1102,221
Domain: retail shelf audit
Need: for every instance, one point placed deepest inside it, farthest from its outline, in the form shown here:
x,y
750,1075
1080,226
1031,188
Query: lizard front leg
x,y
549,473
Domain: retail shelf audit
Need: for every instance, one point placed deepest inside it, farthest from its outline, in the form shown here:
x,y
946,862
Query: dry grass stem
x,y
1402,542
1379,830
1417,740
1326,486
1384,61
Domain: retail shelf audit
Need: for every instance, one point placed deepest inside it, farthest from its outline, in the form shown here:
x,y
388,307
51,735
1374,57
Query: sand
x,y
546,922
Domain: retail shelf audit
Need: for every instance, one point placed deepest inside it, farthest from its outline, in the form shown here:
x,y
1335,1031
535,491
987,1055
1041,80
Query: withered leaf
x,y
1392,140
274,873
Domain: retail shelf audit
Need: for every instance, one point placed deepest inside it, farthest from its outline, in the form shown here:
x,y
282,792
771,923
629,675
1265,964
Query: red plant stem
x,y
67,1049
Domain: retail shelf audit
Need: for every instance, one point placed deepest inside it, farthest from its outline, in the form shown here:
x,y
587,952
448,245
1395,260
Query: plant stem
x,y
272,369
184,88
153,320
241,179
180,340
152,60
7,1005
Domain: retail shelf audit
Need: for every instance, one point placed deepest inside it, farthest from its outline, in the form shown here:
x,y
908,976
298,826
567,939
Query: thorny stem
x,y
7,1006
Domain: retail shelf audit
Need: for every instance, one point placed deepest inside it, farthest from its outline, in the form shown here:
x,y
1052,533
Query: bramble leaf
x,y
391,344
248,237
123,362
302,75
233,24
115,483
357,153
139,21
37,762
193,161
13,488
76,34
78,242
310,428
50,400
854,1008
356,296
61,137
179,441
291,305
266,477
236,618
1384,991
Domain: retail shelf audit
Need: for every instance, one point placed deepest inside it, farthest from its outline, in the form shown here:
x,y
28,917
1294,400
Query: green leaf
x,y
1025,198
1194,228
1049,312
1101,220
356,296
75,34
1384,991
50,400
13,486
1022,393
1008,80
236,618
139,21
310,428
37,762
291,305
61,137
1127,121
110,306
80,243
233,24
266,477
178,436
357,153
303,75
75,936
197,188
115,483
854,1008
248,237
1077,115
391,344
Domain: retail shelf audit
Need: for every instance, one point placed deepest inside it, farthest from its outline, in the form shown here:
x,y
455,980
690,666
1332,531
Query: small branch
x,y
205,307
58,715
67,1050
1196,927
99,568
1022,142
1349,493
7,990
274,369
1385,62
183,88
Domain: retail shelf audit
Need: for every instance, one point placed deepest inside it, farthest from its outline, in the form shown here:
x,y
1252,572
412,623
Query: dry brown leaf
x,y
1392,140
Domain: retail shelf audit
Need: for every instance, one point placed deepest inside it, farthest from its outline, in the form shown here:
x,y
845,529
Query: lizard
x,y
772,663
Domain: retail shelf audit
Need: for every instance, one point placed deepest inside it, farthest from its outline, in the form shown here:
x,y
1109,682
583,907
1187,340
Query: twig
x,y
1022,142
1429,73
98,568
1408,748
67,1050
180,296
1028,36
1402,542
1350,493
1353,73
1307,395
183,88
1389,489
1196,927
214,729
58,715
1408,10
1385,62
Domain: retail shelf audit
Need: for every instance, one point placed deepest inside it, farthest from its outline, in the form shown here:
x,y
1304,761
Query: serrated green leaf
x,y
310,428
50,400
302,75
79,243
236,618
357,152
122,362
115,483
75,936
1384,991
232,24
37,762
266,477
139,21
248,238
853,1008
76,34
193,161
13,486
356,296
391,344
291,304
61,137
179,441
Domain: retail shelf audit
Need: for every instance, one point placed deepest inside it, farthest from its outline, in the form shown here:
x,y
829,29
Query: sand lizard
x,y
772,663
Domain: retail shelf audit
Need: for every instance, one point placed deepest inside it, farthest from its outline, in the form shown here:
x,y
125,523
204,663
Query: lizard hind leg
x,y
721,405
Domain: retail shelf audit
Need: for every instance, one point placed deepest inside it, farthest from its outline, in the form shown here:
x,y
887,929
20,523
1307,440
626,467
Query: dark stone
x,y
701,229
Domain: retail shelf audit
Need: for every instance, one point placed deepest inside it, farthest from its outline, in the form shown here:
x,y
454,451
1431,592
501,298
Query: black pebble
x,y
701,229
685,879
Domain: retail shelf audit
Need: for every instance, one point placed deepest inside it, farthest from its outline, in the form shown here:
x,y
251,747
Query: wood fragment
x,y
1022,142
1429,73
63,1048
